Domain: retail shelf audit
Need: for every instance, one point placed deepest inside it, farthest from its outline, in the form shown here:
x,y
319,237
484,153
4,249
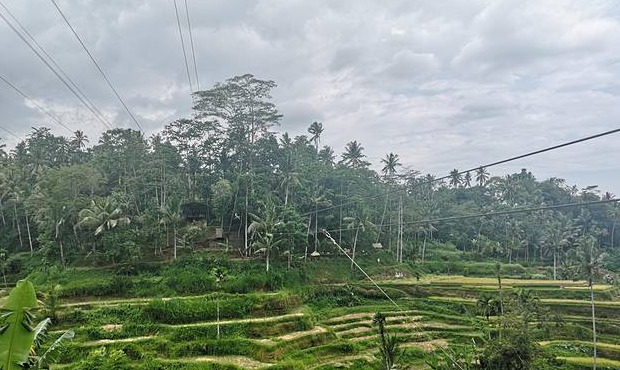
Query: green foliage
x,y
105,359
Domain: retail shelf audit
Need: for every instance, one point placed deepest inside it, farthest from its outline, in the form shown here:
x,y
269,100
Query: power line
x,y
100,116
50,67
176,10
191,41
492,164
105,77
45,111
10,132
497,213
386,295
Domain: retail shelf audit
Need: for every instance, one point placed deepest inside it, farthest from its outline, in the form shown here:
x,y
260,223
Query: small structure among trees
x,y
194,211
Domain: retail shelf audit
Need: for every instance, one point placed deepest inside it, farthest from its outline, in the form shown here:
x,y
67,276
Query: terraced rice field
x,y
281,330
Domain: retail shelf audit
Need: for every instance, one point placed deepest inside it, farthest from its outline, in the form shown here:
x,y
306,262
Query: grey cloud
x,y
443,83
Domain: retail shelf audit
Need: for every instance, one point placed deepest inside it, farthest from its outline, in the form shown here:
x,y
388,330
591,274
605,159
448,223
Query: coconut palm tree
x,y
589,267
79,140
102,215
389,347
315,129
171,217
358,223
10,189
264,231
353,155
487,305
327,156
391,162
455,178
614,213
290,180
467,180
482,176
556,236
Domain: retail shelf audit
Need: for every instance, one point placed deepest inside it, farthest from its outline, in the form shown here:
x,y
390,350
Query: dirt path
x,y
241,361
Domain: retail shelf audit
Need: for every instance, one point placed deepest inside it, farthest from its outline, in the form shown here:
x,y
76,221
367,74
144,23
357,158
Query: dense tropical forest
x,y
141,245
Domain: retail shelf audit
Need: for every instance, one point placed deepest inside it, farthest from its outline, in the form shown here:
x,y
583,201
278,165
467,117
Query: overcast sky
x,y
445,84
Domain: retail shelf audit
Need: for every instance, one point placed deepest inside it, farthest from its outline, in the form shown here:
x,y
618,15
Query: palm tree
x,y
319,200
487,305
614,213
171,217
389,348
353,155
264,231
102,215
289,181
455,178
79,140
467,180
315,129
10,188
556,236
327,156
589,267
358,222
482,176
219,274
390,165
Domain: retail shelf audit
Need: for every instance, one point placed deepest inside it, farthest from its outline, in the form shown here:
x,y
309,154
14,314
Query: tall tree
x,y
482,176
589,267
315,129
264,229
353,155
455,178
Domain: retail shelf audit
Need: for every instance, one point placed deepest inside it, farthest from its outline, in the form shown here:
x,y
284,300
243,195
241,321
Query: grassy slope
x,y
322,323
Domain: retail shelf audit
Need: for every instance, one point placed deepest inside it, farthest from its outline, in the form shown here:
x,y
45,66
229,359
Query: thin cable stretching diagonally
x,y
10,132
189,78
490,214
45,111
191,42
105,77
48,65
97,111
492,164
384,293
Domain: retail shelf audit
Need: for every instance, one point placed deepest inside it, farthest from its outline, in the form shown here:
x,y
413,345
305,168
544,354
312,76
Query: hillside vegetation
x,y
221,243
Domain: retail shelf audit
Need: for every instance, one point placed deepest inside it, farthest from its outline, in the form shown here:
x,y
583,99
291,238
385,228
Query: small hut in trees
x,y
194,211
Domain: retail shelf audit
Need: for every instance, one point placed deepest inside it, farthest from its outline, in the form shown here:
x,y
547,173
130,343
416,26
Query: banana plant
x,y
20,338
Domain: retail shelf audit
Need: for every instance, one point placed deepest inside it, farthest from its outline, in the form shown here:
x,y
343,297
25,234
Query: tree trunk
x,y
387,196
555,259
316,228
267,255
175,242
593,323
354,246
613,231
286,196
19,230
307,236
218,319
245,231
29,235
424,246
62,251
